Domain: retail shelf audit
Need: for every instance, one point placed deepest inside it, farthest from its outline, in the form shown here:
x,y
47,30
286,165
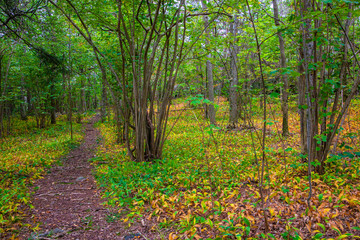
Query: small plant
x,y
113,217
88,221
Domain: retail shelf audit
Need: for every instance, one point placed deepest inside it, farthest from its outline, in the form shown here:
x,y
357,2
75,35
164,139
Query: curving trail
x,y
67,204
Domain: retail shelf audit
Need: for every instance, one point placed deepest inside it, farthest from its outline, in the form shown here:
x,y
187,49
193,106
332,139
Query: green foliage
x,y
213,183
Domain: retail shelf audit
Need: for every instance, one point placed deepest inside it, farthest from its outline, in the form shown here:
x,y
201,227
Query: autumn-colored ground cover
x,y
24,157
206,185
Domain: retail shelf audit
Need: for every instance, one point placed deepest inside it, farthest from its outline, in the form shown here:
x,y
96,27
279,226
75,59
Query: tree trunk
x,y
69,87
209,69
5,105
310,80
234,81
103,101
82,94
285,92
53,104
302,108
23,112
1,102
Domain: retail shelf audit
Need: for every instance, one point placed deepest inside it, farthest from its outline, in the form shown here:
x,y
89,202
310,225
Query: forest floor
x,y
67,204
204,187
206,184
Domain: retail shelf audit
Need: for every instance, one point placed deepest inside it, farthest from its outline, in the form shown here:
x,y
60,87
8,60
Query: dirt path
x,y
67,203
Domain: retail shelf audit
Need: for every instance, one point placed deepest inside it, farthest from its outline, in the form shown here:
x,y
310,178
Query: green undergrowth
x,y
25,156
206,184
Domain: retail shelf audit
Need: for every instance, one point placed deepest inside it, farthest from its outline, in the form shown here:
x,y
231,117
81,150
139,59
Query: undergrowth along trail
x,y
25,156
207,187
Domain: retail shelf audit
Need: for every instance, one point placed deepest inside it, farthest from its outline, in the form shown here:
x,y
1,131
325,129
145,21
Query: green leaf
x,y
344,236
318,235
284,189
247,222
271,235
321,196
247,230
207,101
274,95
322,226
336,230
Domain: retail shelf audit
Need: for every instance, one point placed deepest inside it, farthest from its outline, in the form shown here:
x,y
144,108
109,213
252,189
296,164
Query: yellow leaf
x,y
272,211
172,236
343,236
325,210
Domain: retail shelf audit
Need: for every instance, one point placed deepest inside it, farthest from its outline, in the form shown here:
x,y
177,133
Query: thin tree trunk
x,y
4,108
209,69
1,103
263,160
234,81
53,104
308,51
23,113
69,87
103,101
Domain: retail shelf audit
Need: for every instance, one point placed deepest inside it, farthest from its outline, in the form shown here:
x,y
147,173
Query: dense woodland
x,y
218,119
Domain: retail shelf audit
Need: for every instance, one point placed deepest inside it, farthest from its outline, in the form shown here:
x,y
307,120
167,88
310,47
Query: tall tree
x,y
284,78
234,79
209,67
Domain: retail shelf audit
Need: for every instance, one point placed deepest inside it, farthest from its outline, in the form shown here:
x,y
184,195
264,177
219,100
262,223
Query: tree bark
x,y
234,80
53,104
209,68
23,112
103,102
284,78
1,102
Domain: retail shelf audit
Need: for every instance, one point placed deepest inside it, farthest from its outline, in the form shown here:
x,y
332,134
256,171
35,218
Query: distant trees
x,y
33,85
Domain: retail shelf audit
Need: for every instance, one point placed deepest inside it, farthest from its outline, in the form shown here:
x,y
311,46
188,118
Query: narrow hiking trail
x,y
67,203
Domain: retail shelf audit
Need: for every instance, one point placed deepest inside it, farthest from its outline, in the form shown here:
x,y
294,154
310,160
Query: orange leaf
x,y
172,236
308,226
